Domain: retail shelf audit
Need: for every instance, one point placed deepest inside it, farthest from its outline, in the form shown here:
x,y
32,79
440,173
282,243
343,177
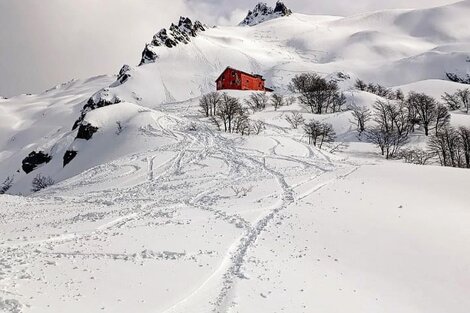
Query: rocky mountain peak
x,y
180,33
262,13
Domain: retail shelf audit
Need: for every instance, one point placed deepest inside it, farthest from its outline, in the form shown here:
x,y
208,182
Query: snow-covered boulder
x,y
262,13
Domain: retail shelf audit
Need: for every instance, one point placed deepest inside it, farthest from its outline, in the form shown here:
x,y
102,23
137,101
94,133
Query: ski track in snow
x,y
192,148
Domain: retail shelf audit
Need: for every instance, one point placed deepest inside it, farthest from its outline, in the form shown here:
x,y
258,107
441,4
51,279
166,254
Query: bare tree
x,y
6,185
277,101
290,100
209,102
40,182
360,85
295,120
316,93
464,134
446,144
451,101
442,117
426,108
389,142
399,95
458,100
241,124
257,101
318,133
362,116
227,111
392,128
339,100
258,127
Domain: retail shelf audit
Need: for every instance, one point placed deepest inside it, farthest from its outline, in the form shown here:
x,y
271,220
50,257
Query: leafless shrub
x,y
290,101
258,127
425,108
459,100
362,116
452,146
40,182
257,101
319,133
392,127
241,191
209,103
295,120
277,101
227,112
317,94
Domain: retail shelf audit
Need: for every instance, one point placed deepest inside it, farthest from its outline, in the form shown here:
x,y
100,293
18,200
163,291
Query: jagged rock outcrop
x,y
459,79
171,37
262,13
148,55
69,156
33,160
86,131
123,76
100,99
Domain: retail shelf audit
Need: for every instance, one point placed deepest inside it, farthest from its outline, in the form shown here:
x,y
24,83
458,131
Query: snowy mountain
x,y
195,220
262,13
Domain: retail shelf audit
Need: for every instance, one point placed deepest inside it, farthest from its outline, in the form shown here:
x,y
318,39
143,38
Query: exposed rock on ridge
x,y
262,13
175,35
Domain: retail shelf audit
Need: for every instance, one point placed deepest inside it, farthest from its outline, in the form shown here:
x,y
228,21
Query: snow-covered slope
x,y
153,210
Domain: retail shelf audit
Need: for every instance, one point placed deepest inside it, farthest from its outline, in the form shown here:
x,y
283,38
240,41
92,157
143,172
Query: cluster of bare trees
x,y
317,94
459,100
6,185
452,146
380,90
228,114
395,120
259,101
319,133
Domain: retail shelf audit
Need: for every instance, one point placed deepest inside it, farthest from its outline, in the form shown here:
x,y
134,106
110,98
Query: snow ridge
x,y
262,13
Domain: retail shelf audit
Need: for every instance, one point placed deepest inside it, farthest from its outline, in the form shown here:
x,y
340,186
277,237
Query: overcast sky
x,y
47,42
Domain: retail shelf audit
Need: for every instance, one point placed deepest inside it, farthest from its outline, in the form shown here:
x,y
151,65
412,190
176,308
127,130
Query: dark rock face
x,y
86,131
123,76
148,56
100,99
172,37
33,160
262,13
282,9
458,79
69,156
